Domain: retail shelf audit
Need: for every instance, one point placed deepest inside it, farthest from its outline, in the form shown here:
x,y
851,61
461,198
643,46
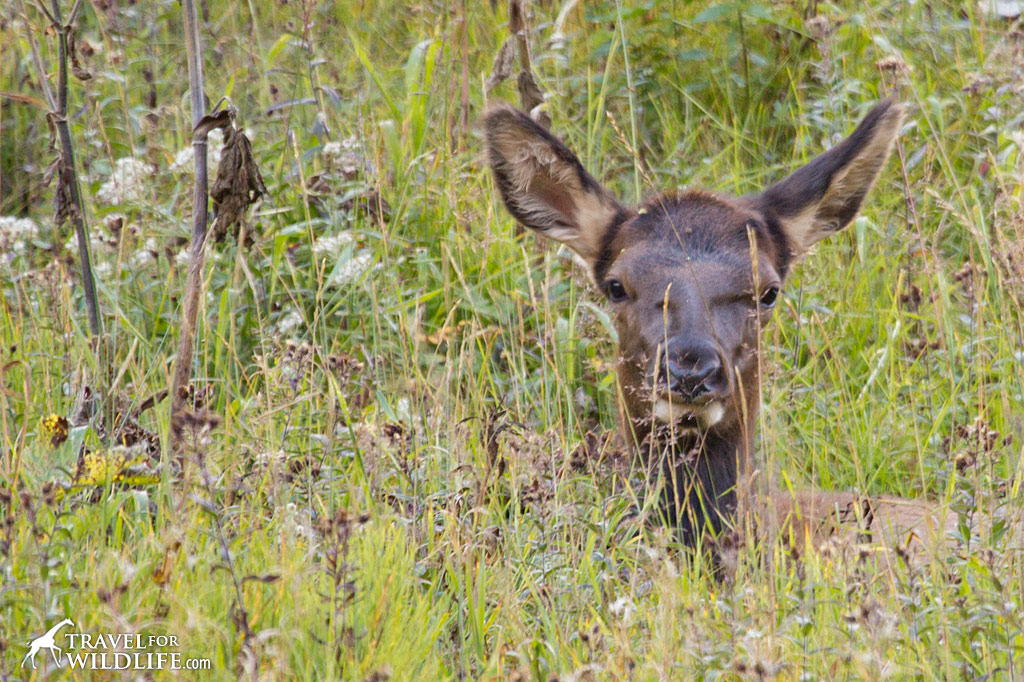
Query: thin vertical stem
x,y
68,175
193,283
631,92
464,58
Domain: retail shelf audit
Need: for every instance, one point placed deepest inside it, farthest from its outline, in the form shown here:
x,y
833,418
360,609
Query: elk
x,y
691,278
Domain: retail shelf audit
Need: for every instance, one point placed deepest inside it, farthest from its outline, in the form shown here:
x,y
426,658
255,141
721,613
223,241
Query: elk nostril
x,y
694,380
709,369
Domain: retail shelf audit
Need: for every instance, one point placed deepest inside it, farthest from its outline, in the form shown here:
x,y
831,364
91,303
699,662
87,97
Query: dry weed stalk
x,y
67,199
238,185
531,95
200,207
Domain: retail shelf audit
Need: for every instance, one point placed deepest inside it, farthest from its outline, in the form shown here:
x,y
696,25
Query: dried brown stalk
x,y
67,198
200,212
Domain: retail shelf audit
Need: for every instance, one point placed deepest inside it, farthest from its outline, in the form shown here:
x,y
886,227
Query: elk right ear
x,y
822,197
544,185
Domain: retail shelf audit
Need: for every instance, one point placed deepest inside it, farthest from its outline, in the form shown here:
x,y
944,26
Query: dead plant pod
x,y
77,68
64,208
239,183
532,97
504,62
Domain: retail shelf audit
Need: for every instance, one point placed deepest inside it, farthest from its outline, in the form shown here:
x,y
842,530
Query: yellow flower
x,y
55,427
127,467
117,465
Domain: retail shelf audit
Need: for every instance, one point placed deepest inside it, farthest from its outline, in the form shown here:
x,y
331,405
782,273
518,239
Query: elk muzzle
x,y
690,383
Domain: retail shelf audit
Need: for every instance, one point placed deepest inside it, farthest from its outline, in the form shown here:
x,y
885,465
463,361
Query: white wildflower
x,y
587,673
128,569
184,257
623,609
183,160
16,233
334,149
103,269
98,240
25,227
295,522
289,322
332,244
145,255
127,182
269,459
1017,139
114,221
139,259
343,155
403,411
352,269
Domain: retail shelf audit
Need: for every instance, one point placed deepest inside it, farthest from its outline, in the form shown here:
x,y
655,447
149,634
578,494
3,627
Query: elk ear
x,y
823,196
544,185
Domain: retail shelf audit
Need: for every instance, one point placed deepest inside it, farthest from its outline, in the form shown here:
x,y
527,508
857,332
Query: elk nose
x,y
694,371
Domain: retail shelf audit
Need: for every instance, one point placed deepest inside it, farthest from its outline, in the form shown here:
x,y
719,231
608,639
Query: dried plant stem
x,y
464,59
517,27
531,96
68,173
193,284
67,189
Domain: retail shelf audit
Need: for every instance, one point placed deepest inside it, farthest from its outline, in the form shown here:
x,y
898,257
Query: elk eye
x,y
615,291
769,296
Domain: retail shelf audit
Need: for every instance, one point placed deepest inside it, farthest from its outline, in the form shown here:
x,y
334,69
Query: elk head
x,y
691,279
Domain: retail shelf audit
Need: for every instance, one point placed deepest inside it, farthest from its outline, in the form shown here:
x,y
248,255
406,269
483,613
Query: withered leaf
x,y
531,97
503,63
266,578
516,20
63,207
55,427
162,573
81,73
221,119
239,183
51,171
150,402
204,504
290,103
51,125
24,99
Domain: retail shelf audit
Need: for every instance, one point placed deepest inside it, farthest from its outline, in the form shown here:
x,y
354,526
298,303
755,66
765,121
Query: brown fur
x,y
690,278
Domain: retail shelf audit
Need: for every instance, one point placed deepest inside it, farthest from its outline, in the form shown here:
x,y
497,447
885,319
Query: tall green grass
x,y
412,472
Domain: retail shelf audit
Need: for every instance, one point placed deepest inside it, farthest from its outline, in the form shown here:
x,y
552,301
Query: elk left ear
x,y
823,196
545,186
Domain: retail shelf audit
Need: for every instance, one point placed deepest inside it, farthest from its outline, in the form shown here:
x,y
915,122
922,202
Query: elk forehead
x,y
694,235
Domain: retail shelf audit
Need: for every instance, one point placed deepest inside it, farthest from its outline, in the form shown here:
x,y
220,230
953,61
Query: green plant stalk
x,y
631,92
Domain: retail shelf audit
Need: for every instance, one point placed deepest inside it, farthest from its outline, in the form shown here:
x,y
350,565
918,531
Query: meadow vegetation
x,y
400,457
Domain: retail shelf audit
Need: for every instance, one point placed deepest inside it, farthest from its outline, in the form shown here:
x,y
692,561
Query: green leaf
x,y
695,55
364,59
712,13
278,45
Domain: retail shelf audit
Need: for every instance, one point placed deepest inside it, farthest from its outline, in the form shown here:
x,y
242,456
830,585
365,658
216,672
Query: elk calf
x,y
691,279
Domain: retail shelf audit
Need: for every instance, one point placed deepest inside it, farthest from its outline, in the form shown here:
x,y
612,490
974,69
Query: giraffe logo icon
x,y
45,641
